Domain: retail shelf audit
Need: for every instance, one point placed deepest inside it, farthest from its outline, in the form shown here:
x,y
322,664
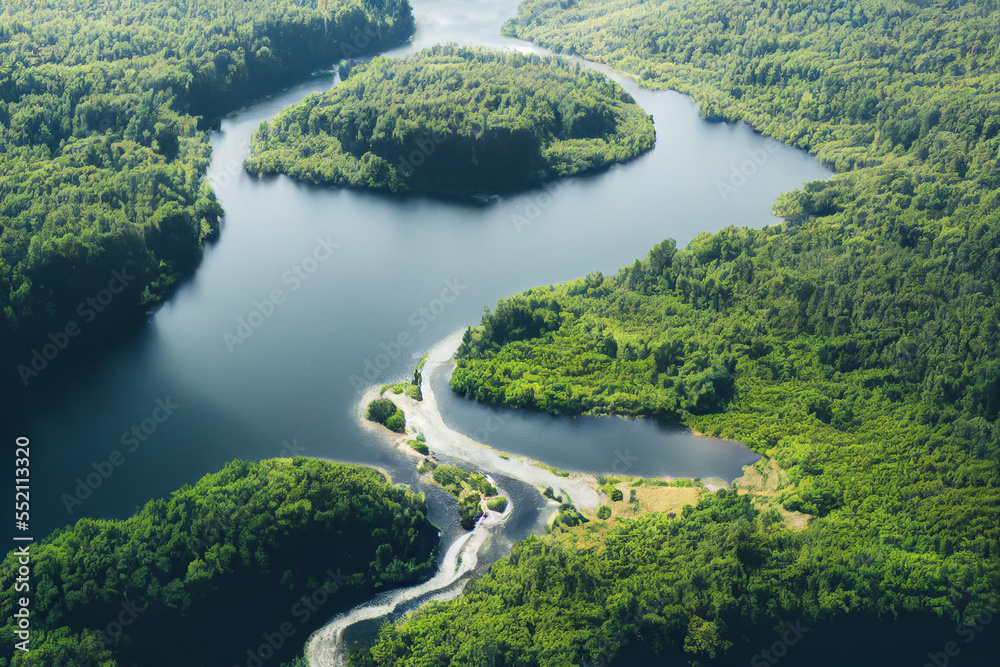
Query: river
x,y
373,302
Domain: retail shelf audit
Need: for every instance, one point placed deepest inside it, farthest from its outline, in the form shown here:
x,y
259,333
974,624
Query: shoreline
x,y
425,417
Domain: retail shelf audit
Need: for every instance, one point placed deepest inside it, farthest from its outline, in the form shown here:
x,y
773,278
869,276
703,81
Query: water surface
x,y
371,308
598,445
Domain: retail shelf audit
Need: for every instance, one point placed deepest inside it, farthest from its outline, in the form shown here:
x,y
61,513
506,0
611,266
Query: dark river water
x,y
598,445
375,268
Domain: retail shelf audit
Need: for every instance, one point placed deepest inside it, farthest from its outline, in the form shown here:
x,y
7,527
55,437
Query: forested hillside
x,y
855,344
453,120
207,572
101,155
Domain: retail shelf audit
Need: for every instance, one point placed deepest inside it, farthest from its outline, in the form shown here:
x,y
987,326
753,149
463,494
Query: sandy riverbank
x,y
426,417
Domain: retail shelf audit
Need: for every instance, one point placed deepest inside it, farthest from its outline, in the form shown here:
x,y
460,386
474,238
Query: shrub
x,y
397,422
470,509
380,410
497,504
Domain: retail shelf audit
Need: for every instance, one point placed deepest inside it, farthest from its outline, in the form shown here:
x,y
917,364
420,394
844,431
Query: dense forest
x,y
102,156
856,345
193,579
455,121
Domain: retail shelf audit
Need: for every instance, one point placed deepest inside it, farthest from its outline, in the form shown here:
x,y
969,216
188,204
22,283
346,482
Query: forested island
x,y
455,121
855,345
274,547
102,155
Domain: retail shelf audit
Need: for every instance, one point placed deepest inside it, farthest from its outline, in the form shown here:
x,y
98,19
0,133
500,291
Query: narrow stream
x,y
326,647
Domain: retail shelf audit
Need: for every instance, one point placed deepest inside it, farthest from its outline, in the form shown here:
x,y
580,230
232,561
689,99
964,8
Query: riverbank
x,y
325,647
425,416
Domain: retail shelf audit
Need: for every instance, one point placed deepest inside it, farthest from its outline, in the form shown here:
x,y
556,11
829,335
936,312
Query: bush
x,y
497,504
617,495
383,411
604,512
470,509
568,517
419,447
450,478
481,484
380,410
397,422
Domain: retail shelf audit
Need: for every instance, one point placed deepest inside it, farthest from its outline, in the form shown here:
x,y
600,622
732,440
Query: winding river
x,y
371,305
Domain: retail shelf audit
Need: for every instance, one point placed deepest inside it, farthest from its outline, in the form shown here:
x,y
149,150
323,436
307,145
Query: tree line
x,y
855,344
212,568
102,155
457,121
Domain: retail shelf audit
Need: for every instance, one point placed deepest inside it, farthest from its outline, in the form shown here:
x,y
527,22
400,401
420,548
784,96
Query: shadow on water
x,y
597,445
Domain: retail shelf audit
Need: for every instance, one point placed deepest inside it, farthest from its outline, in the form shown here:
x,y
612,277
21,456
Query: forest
x,y
455,121
195,577
103,150
856,345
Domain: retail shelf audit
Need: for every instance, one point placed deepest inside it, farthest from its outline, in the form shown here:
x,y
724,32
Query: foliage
x,y
454,120
604,512
271,527
396,422
497,503
456,480
469,488
101,157
406,388
412,388
580,603
568,516
857,343
470,509
383,411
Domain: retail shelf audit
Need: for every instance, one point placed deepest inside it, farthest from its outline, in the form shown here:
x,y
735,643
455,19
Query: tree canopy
x,y
455,120
101,155
856,345
237,548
